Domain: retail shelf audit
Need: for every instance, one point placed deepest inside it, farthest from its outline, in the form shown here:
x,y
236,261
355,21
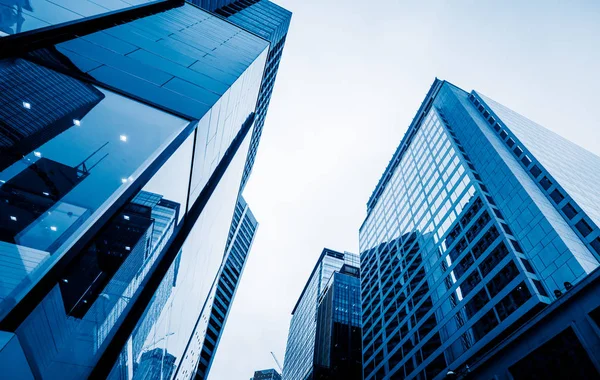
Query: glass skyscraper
x,y
480,220
125,128
271,22
241,235
338,340
299,358
266,374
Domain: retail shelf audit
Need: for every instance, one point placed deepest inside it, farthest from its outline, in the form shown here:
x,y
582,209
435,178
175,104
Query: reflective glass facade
x,y
241,235
18,16
271,22
461,243
122,151
299,353
338,342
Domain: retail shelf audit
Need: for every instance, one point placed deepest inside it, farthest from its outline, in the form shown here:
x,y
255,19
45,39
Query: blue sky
x,y
352,77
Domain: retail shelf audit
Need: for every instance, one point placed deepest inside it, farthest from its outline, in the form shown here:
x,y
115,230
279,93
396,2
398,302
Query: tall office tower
x,y
125,130
271,22
299,358
338,341
241,235
266,374
475,226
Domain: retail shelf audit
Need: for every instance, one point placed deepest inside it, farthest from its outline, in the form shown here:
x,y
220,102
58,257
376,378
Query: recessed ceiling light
x,y
126,217
27,105
127,248
46,193
13,218
77,122
37,154
53,228
123,138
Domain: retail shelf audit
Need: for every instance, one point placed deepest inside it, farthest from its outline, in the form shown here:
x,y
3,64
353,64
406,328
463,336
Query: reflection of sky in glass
x,y
113,163
23,15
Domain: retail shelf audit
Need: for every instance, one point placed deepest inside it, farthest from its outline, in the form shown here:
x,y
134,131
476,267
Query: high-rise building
x,y
271,22
266,374
125,131
299,361
475,226
241,235
338,340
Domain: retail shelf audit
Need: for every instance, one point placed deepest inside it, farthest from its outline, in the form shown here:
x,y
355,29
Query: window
x,y
583,227
506,229
535,171
596,244
516,246
518,151
527,265
503,134
569,211
517,297
546,183
485,324
595,315
503,278
470,282
486,114
476,303
510,143
526,160
556,196
540,287
497,127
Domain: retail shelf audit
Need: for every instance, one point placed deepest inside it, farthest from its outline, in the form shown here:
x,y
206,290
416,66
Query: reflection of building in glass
x,y
241,235
134,235
299,359
338,342
11,15
88,270
155,364
266,374
469,233
31,193
39,105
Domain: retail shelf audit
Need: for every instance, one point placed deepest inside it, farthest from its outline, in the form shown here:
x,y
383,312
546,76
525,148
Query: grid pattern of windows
x,y
271,22
439,263
241,234
573,214
299,353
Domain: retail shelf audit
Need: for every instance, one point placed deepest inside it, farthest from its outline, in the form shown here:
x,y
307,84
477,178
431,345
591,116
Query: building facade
x,y
125,128
299,358
338,341
271,22
241,235
475,226
266,374
561,342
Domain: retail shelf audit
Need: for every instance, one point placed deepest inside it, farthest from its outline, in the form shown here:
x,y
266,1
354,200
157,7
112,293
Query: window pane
x,y
69,150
